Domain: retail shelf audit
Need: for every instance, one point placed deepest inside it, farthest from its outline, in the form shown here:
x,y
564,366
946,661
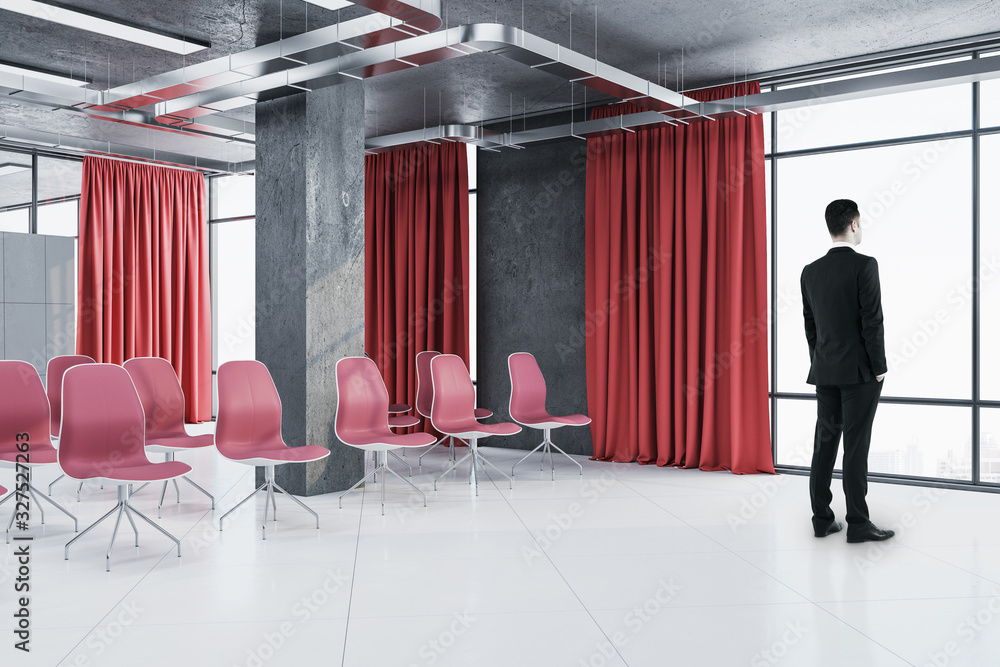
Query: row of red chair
x,y
448,401
107,417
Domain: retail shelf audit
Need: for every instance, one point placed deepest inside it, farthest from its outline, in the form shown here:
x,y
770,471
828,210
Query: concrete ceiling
x,y
720,41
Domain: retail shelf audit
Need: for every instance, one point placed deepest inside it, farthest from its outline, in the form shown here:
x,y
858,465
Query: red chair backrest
x,y
527,385
454,395
102,422
249,407
161,395
362,400
54,371
425,389
23,406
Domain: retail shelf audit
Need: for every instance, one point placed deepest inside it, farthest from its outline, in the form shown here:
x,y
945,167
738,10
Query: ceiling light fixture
x,y
42,76
8,168
75,18
331,4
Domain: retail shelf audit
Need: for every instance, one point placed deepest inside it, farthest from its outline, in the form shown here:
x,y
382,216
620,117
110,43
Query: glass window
x,y
15,192
916,210
989,268
59,184
473,167
915,113
915,440
989,100
232,196
15,220
60,218
989,445
473,276
796,425
235,289
767,132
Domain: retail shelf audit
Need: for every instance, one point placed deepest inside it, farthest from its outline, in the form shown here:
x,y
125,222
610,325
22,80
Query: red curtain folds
x,y
676,293
143,272
416,260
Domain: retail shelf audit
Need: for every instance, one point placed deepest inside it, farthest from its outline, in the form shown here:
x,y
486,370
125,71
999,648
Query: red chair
x,y
102,437
163,402
453,413
527,407
248,430
25,410
362,419
54,371
425,398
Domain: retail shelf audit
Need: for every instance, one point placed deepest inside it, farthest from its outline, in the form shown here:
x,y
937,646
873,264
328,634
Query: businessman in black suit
x,y
842,304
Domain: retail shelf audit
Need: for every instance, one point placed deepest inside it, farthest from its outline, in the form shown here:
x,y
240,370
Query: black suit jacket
x,y
842,305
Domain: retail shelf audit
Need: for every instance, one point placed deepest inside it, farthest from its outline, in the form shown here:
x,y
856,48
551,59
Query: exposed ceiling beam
x,y
948,74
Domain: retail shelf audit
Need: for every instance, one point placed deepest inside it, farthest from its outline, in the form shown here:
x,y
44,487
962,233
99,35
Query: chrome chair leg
x,y
540,445
428,451
410,483
39,496
192,483
299,502
128,515
450,468
237,506
54,483
490,464
410,468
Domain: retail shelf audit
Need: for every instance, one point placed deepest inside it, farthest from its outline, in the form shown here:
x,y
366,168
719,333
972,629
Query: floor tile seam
x,y
567,584
862,633
132,588
354,578
992,580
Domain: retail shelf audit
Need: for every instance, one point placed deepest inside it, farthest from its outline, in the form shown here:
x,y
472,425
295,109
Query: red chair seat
x,y
482,413
42,453
277,452
137,474
545,420
172,443
403,421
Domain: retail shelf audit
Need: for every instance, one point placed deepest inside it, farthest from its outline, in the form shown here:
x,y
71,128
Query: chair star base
x,y
163,492
38,495
548,446
477,460
381,464
268,487
123,507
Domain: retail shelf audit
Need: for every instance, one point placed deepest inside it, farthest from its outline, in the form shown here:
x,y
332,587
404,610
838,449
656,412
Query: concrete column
x,y
310,268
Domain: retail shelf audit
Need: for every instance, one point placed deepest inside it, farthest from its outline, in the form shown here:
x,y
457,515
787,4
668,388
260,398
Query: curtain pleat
x,y
416,260
676,292
143,272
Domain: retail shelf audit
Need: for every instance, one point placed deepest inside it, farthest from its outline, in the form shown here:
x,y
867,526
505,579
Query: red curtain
x,y
676,293
143,272
416,260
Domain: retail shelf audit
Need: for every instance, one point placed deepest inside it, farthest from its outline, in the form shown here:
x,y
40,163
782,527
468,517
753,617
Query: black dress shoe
x,y
834,527
869,534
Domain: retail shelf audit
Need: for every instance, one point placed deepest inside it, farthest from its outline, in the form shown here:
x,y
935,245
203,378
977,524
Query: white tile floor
x,y
626,565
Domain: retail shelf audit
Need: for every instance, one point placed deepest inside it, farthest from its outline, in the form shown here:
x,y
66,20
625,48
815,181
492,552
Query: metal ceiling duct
x,y
59,144
948,74
502,40
395,20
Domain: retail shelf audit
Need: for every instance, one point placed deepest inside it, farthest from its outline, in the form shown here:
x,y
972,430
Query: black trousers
x,y
847,410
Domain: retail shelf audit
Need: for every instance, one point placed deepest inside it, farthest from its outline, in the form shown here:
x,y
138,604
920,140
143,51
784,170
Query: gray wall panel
x,y
24,268
24,333
531,284
60,281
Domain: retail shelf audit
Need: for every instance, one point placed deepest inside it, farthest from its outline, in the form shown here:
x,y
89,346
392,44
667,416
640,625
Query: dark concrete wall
x,y
531,289
310,268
